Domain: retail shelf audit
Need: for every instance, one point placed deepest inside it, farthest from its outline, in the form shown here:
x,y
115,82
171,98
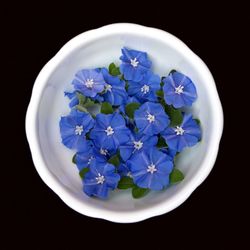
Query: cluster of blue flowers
x,y
140,128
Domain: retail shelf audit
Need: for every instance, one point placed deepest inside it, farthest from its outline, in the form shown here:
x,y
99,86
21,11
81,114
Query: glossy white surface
x,y
98,48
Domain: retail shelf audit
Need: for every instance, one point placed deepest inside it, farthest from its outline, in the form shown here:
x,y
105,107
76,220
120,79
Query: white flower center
x,y
109,130
100,179
138,144
103,151
179,89
108,87
89,83
134,62
150,118
179,130
151,168
90,159
78,130
145,89
129,174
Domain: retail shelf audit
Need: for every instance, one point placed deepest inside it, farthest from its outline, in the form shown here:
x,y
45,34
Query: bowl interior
x,y
53,105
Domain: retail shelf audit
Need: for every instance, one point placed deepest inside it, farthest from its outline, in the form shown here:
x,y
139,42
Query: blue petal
x,y
99,190
165,167
126,152
70,95
179,79
112,180
117,121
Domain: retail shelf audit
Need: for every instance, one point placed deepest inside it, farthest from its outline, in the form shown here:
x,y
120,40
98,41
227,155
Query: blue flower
x,y
146,88
100,179
73,98
89,82
134,64
151,118
185,135
179,90
74,127
89,153
110,131
115,92
137,143
151,169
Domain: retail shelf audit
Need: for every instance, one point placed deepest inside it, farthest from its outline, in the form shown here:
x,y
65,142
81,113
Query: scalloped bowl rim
x,y
57,187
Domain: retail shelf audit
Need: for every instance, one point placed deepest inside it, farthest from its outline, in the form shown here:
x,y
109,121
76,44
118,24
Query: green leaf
x,y
160,93
197,121
161,143
84,102
176,176
81,98
125,183
81,108
138,192
111,67
172,71
83,172
106,108
113,70
136,130
74,159
88,103
88,136
175,115
126,86
115,160
130,109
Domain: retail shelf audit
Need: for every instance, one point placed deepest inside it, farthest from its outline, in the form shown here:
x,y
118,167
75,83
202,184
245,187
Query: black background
x,y
212,216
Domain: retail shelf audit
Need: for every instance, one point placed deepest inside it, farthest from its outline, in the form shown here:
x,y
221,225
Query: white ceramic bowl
x,y
96,48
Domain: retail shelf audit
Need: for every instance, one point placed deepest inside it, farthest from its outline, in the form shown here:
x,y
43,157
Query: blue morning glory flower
x,y
151,118
146,88
89,82
185,135
179,90
150,169
89,153
110,131
134,64
137,143
100,179
74,127
73,98
115,92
